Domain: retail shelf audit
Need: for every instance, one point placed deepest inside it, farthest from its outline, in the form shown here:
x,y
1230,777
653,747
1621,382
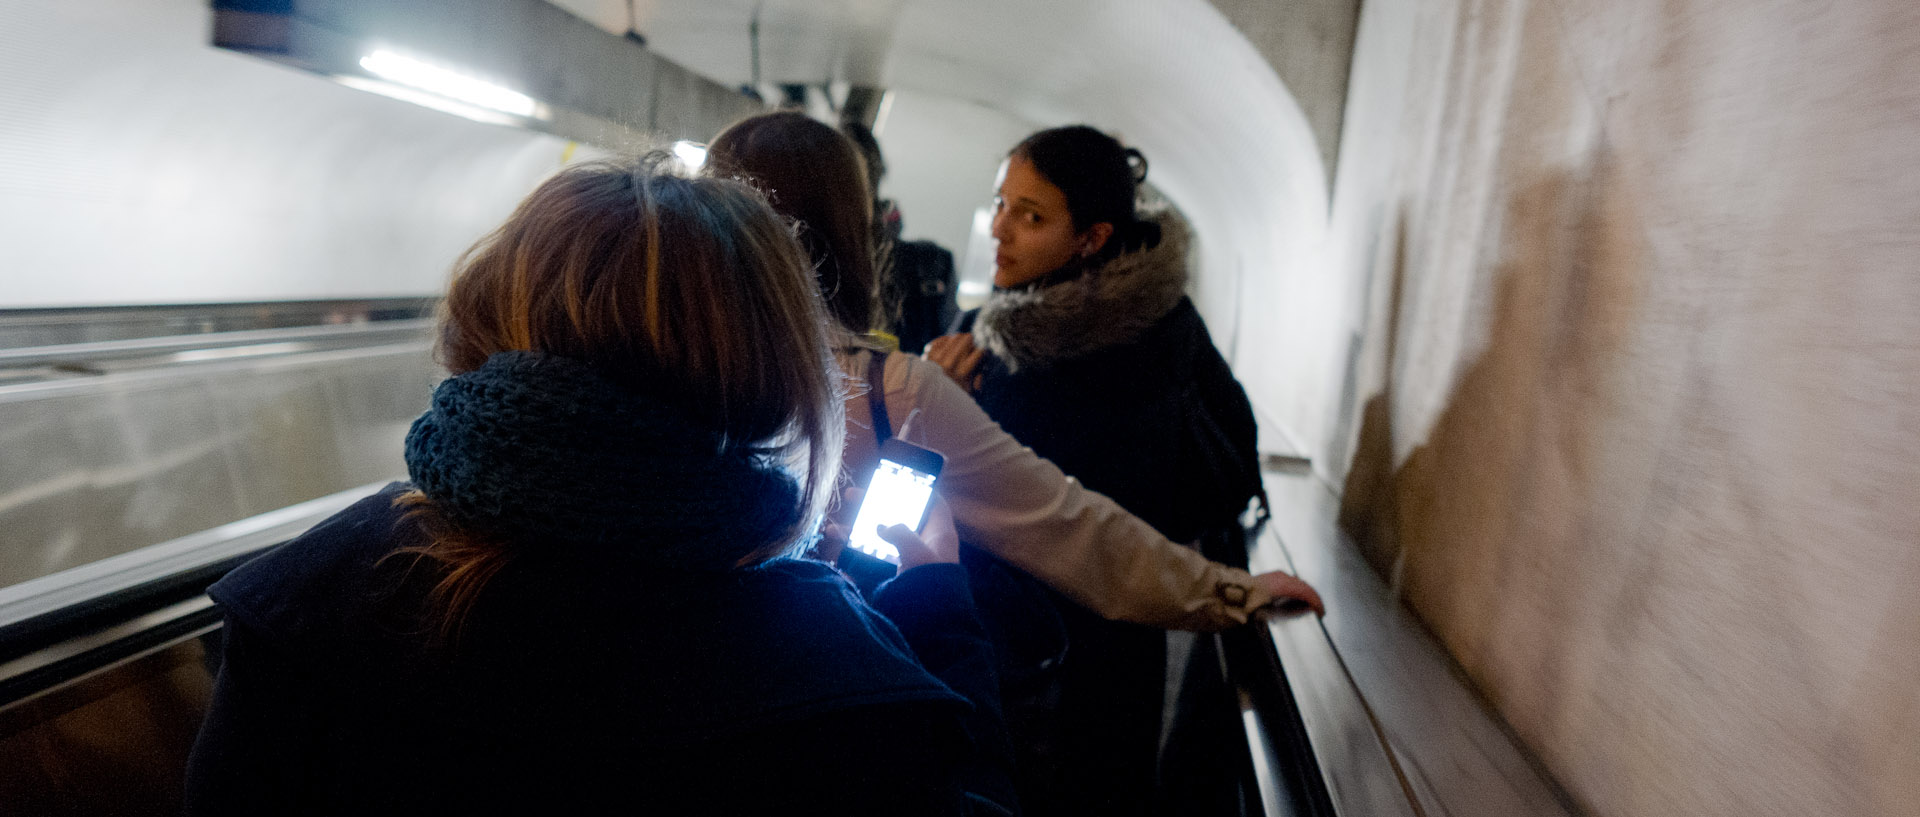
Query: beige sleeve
x,y
1010,502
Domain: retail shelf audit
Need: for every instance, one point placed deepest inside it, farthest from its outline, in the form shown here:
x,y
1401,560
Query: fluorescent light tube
x,y
691,154
451,85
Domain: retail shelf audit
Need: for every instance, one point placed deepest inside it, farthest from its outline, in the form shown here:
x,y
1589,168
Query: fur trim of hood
x,y
1109,305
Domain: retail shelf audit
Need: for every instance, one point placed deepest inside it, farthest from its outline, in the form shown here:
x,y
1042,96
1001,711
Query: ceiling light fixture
x,y
427,100
691,154
451,85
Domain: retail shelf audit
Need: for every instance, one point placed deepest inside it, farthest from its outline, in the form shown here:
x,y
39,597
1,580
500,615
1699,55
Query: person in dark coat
x,y
585,600
1034,530
1089,351
929,288
919,288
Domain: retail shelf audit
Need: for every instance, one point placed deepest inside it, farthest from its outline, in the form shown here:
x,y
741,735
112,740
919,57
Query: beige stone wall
x,y
1637,408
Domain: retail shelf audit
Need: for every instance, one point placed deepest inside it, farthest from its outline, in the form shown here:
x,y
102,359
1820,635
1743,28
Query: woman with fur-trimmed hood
x,y
1089,351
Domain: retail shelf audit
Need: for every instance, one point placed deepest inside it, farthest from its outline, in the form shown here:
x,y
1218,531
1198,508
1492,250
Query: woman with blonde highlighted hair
x,y
583,602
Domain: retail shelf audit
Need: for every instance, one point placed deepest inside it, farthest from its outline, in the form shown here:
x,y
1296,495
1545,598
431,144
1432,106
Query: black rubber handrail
x,y
1291,781
1329,757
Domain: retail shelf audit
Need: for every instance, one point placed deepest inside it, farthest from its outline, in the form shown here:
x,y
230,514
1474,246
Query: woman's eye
x,y
1032,218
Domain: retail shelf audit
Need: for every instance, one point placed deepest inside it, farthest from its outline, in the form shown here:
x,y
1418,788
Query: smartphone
x,y
900,493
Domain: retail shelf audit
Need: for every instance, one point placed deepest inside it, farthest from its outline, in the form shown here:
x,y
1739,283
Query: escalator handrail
x,y
97,351
31,609
1393,723
1317,747
1351,760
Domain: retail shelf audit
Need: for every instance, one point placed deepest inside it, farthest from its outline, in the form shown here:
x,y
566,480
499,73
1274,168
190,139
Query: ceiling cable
x,y
753,37
633,27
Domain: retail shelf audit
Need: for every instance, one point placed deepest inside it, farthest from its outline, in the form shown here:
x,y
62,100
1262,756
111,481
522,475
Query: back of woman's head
x,y
1099,176
869,146
814,175
687,293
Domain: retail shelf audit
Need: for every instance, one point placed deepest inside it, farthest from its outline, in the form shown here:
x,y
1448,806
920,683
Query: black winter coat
x,y
1114,378
1158,424
591,688
929,290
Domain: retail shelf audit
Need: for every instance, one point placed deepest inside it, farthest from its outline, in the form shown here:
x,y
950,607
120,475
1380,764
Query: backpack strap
x,y
867,572
877,397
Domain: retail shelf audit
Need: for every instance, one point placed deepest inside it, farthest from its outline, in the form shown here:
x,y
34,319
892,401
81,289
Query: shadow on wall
x,y
1368,514
1605,570
1515,432
1643,457
1510,461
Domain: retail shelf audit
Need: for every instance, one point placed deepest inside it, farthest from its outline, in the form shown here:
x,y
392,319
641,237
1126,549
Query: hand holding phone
x,y
900,493
936,543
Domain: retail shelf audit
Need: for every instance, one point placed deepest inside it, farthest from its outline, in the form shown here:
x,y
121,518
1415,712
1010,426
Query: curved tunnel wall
x,y
143,166
1227,142
1639,389
146,167
1623,290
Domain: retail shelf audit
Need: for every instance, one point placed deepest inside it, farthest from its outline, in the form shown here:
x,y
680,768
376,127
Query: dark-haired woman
x,y
584,602
1005,499
1089,351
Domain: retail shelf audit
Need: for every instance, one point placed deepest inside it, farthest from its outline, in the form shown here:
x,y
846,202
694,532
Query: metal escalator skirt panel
x,y
99,719
102,579
97,465
185,348
115,739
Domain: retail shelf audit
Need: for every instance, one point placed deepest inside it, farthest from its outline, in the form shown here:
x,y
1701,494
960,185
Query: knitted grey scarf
x,y
544,452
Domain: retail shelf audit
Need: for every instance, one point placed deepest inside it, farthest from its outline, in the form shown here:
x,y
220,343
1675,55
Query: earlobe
x,y
1096,238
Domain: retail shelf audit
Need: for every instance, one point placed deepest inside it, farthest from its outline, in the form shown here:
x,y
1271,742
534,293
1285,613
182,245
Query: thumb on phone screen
x,y
936,543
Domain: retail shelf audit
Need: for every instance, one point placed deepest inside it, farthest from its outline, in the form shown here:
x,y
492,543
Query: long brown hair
x,y
640,273
814,175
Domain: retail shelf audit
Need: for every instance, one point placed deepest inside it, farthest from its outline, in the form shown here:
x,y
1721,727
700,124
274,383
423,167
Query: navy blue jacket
x,y
591,686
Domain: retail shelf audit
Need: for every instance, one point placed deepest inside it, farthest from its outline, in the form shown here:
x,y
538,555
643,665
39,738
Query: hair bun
x,y
1145,233
1137,161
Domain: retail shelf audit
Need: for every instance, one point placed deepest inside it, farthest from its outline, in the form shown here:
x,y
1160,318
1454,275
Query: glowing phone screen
x,y
898,495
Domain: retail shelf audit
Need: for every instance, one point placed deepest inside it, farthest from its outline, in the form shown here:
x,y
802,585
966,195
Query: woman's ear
x,y
1095,238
